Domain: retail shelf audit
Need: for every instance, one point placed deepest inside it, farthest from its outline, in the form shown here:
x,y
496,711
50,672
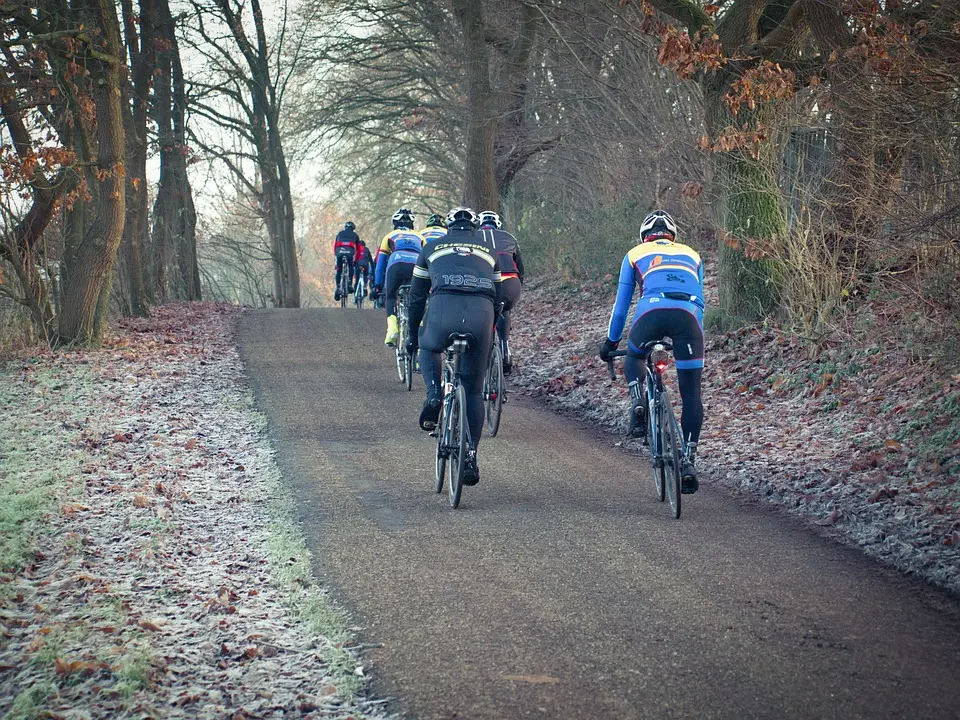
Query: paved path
x,y
560,588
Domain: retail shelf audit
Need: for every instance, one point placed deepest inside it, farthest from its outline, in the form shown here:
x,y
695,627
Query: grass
x,y
290,566
32,702
37,458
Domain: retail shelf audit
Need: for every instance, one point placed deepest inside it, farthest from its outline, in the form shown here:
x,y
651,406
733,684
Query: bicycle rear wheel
x,y
670,445
408,370
457,433
655,444
344,288
493,390
442,453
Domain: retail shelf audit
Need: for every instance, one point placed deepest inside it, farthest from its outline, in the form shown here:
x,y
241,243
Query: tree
x,y
176,271
244,97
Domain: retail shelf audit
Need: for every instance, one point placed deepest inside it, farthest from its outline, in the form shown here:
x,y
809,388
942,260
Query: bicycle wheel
x,y
656,451
408,370
442,443
457,432
493,390
671,453
344,289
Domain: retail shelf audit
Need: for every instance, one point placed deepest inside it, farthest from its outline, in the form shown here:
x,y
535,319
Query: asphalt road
x,y
561,588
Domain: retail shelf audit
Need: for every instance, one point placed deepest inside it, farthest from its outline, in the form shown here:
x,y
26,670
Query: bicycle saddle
x,y
463,339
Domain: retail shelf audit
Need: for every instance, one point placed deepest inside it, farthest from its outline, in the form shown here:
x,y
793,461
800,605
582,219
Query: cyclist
x,y
362,261
511,270
434,228
461,274
670,276
345,249
395,260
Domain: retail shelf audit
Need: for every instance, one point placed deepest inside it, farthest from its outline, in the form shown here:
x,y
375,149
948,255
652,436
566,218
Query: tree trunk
x,y
140,47
89,262
479,182
748,207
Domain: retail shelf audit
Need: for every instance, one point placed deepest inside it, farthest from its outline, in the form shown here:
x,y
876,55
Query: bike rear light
x,y
660,360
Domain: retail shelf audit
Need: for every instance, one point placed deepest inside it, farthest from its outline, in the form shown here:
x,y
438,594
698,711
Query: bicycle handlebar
x,y
614,354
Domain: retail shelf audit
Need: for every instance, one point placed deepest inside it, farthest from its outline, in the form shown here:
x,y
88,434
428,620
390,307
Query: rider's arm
x,y
519,261
618,318
419,289
382,255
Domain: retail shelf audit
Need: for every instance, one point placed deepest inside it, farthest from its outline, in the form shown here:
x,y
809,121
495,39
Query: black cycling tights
x,y
691,419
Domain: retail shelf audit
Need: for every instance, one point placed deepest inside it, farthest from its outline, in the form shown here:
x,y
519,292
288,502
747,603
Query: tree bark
x,y
88,262
479,182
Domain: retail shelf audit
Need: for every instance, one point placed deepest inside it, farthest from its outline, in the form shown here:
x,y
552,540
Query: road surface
x,y
561,588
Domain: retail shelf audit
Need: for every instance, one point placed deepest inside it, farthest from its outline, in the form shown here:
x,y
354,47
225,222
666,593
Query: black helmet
x,y
462,215
403,218
436,220
349,225
658,225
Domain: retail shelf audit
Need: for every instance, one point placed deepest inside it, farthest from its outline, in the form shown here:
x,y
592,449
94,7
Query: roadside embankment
x,y
150,566
863,441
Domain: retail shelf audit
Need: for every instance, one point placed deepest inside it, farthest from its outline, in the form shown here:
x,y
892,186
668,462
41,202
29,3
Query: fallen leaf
x,y
149,625
190,444
141,501
892,445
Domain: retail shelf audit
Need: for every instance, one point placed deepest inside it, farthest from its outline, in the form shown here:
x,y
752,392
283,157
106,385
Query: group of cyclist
x,y
471,270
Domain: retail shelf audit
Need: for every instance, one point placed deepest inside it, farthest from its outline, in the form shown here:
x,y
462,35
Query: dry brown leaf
x,y
190,444
141,501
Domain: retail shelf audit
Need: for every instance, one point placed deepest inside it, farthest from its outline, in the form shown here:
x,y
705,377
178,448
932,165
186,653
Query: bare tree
x,y
244,96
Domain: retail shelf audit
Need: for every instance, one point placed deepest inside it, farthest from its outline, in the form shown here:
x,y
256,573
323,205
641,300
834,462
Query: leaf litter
x,y
863,441
153,588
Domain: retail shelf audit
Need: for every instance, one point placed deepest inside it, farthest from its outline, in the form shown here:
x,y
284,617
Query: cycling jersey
x,y
363,259
511,264
346,243
397,246
670,275
430,233
462,261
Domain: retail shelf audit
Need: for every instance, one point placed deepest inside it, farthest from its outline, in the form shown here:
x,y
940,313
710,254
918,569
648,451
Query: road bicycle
x,y
494,386
452,431
344,285
359,292
663,433
405,361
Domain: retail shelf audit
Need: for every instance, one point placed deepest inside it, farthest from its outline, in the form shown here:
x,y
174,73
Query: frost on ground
x,y
863,442
156,573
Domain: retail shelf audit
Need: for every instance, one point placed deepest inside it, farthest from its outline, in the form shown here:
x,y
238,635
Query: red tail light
x,y
660,360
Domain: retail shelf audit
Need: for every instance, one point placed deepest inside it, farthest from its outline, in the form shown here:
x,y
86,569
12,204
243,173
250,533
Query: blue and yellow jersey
x,y
397,246
670,275
430,233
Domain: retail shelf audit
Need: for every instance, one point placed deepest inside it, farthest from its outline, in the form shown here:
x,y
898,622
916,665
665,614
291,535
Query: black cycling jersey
x,y
462,261
508,250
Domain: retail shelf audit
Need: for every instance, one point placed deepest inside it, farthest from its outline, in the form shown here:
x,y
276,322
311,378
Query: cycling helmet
x,y
349,226
403,218
462,215
436,220
658,225
489,217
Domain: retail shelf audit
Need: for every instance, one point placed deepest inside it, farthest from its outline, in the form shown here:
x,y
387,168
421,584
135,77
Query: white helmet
x,y
489,217
459,214
403,217
658,224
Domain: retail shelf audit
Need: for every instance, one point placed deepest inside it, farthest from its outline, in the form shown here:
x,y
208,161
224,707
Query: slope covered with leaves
x,y
862,440
149,566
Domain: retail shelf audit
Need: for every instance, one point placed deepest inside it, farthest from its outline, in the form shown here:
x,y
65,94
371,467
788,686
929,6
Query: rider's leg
x,y
510,294
391,285
691,420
